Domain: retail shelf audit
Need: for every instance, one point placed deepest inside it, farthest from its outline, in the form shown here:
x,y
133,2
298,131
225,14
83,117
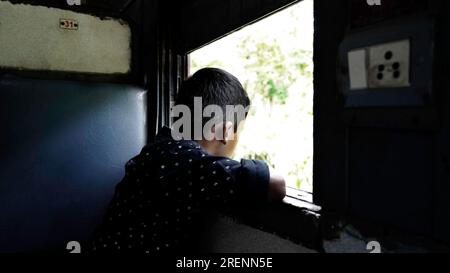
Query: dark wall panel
x,y
391,178
63,149
442,201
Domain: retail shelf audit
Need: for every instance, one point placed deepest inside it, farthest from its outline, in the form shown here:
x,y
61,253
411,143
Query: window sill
x,y
295,219
301,199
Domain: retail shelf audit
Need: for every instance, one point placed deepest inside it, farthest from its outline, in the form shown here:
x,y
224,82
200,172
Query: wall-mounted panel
x,y
51,39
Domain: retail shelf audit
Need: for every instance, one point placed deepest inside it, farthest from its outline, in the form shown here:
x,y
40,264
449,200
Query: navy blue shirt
x,y
165,190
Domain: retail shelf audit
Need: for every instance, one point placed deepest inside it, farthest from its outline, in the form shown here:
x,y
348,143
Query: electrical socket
x,y
389,65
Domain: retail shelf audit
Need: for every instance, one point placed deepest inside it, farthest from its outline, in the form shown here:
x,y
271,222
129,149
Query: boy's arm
x,y
259,181
277,187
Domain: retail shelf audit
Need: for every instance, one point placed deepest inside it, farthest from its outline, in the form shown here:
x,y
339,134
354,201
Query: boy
x,y
168,186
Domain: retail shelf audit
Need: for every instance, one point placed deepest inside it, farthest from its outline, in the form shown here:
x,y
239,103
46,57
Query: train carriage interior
x,y
349,103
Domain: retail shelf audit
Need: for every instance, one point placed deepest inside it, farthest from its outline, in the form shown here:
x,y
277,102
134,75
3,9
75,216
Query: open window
x,y
273,60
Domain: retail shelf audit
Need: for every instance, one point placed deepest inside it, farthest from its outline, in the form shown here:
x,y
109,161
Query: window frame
x,y
296,197
297,217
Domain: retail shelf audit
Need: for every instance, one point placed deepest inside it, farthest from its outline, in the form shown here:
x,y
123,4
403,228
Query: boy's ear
x,y
228,132
223,132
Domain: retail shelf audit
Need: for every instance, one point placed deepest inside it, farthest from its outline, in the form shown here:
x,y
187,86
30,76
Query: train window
x,y
53,39
273,60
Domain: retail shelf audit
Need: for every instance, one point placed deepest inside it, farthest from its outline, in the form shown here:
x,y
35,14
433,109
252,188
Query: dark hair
x,y
215,87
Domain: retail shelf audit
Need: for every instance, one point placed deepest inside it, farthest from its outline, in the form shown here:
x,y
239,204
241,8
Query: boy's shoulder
x,y
167,155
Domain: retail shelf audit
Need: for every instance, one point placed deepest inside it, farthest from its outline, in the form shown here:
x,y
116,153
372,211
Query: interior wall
x,y
441,188
33,39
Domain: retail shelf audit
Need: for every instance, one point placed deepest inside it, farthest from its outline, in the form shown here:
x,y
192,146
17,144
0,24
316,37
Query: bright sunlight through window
x,y
273,60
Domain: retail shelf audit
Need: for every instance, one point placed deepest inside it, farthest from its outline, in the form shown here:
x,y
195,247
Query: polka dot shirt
x,y
164,191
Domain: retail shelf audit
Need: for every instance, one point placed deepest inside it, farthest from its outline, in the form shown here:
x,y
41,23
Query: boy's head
x,y
215,90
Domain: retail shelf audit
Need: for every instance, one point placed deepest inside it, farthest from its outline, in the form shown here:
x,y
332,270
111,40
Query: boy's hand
x,y
277,187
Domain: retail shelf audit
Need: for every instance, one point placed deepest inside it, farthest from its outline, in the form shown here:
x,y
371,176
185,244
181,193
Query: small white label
x,y
69,24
